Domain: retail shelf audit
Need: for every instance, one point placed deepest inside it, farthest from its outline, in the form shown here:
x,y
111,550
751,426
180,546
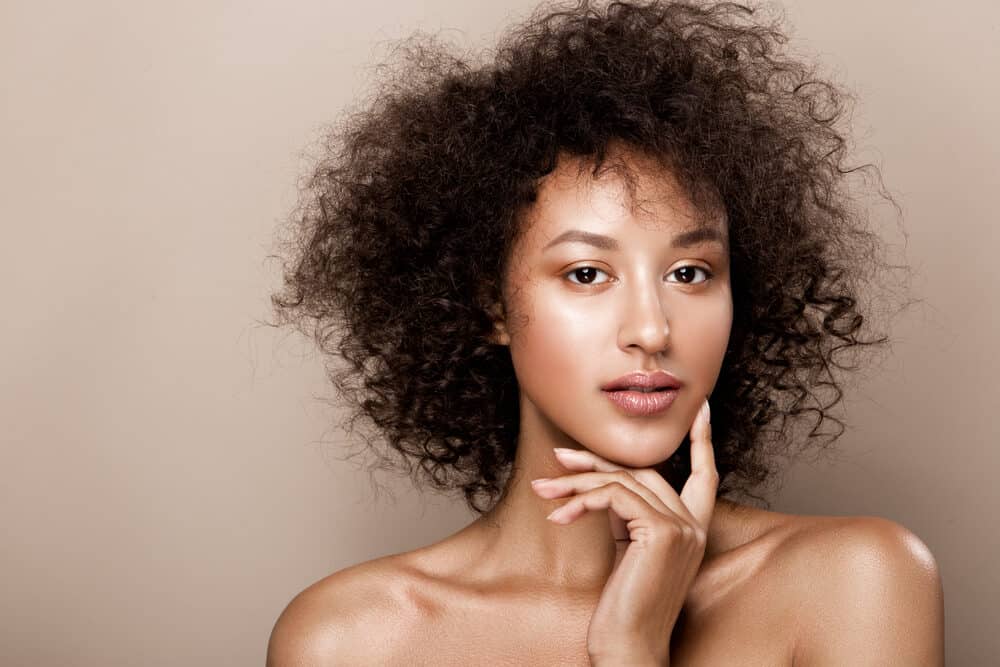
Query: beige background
x,y
164,491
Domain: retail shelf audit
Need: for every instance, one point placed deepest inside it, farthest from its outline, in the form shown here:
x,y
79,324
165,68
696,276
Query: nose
x,y
644,321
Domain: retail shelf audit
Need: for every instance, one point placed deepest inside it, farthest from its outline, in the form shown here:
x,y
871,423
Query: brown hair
x,y
405,226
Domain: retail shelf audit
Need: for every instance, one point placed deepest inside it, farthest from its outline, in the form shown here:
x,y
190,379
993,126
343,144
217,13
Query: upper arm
x,y
877,599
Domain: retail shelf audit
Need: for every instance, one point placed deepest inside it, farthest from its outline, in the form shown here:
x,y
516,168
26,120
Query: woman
x,y
541,271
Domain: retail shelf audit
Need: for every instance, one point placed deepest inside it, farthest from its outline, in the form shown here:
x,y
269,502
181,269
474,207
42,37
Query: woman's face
x,y
598,288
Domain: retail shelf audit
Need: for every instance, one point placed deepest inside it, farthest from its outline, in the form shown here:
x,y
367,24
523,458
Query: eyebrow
x,y
683,240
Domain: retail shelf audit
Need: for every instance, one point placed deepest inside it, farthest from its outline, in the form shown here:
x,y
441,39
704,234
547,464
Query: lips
x,y
657,380
640,404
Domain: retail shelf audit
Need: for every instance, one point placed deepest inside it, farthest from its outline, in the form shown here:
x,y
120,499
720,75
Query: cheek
x,y
554,347
704,336
564,348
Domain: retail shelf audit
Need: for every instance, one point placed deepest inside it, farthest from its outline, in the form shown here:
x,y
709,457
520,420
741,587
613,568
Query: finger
x,y
699,491
582,459
579,483
624,502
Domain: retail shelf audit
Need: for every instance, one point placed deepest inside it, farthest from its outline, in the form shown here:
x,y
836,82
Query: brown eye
x,y
687,274
586,274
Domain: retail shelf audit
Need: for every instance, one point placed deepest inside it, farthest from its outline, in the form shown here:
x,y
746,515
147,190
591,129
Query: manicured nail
x,y
539,480
706,411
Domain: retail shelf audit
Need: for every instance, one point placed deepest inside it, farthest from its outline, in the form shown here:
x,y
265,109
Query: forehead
x,y
628,188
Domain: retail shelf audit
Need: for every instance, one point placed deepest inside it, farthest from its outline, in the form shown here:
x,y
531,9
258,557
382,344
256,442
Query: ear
x,y
500,336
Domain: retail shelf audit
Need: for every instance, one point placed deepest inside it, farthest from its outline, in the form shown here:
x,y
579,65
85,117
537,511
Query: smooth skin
x,y
645,287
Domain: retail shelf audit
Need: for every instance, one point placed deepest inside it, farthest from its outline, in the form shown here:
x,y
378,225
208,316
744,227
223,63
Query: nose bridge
x,y
645,322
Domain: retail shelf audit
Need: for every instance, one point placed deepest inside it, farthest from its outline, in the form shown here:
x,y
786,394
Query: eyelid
x,y
709,274
569,272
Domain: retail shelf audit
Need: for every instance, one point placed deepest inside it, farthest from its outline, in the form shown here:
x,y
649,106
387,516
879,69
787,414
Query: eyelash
x,y
708,274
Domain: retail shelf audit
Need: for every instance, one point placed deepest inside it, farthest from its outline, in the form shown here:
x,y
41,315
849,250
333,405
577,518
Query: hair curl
x,y
406,224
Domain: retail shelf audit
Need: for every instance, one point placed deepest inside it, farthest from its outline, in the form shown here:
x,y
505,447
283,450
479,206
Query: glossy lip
x,y
639,404
654,380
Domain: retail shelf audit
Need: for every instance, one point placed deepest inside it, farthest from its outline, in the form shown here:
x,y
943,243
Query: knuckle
x,y
670,529
621,477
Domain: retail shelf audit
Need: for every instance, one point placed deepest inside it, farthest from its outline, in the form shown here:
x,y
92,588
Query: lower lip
x,y
642,404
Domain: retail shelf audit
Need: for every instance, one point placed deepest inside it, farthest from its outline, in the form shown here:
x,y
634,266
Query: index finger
x,y
581,459
700,489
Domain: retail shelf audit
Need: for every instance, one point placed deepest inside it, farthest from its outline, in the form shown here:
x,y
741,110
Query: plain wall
x,y
164,486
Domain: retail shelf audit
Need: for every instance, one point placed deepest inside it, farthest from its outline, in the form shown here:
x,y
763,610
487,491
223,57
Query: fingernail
x,y
539,480
564,451
706,411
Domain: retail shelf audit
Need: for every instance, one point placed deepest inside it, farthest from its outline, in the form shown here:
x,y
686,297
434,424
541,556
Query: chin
x,y
635,445
636,458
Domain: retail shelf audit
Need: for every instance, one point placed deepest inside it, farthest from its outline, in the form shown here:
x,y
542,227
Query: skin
x,y
520,586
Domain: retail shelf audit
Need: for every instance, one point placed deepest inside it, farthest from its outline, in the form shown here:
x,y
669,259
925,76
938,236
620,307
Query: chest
x,y
736,632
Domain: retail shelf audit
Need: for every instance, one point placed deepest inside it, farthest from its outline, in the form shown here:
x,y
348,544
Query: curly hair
x,y
405,226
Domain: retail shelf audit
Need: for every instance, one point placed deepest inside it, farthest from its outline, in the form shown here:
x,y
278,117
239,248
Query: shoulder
x,y
332,618
868,592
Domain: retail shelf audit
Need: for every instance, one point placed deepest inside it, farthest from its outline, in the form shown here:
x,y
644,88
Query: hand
x,y
664,537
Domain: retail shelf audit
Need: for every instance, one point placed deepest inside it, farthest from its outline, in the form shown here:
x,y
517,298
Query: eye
x,y
688,273
587,273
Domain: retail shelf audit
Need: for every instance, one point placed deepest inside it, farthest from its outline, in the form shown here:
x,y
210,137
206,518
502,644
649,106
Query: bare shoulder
x,y
868,591
330,622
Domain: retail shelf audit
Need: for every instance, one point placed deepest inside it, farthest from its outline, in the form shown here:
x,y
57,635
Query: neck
x,y
520,546
521,543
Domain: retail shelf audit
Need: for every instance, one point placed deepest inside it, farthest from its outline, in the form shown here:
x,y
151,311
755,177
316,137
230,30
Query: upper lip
x,y
654,380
